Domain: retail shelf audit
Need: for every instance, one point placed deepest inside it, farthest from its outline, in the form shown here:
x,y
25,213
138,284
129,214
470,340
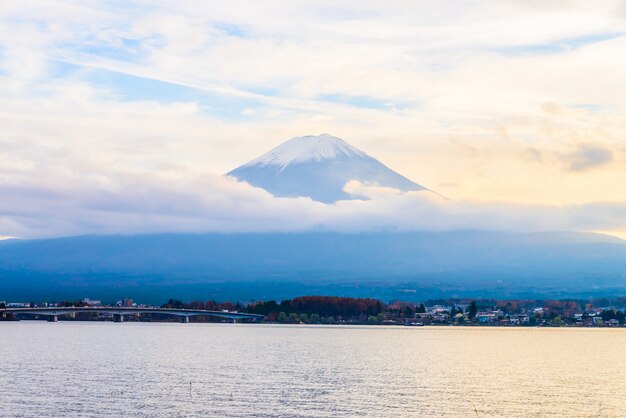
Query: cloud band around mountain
x,y
134,204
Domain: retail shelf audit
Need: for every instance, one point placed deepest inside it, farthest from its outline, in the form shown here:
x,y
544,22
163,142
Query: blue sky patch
x,y
135,88
356,101
563,45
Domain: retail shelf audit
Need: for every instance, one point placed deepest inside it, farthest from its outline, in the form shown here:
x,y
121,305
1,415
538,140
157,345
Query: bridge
x,y
119,312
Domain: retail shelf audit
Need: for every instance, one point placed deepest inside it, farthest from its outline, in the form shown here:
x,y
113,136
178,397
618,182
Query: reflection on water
x,y
87,368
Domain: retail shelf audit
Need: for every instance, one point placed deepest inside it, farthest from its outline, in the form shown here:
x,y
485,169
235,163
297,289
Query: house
x,y
486,317
520,319
90,302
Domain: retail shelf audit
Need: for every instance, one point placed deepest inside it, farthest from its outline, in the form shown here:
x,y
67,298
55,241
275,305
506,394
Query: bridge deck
x,y
129,311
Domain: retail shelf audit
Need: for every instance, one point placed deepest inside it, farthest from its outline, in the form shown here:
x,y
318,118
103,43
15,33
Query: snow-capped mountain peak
x,y
318,167
308,148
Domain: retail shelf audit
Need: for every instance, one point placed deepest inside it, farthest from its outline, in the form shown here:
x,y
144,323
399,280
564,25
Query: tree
x,y
263,308
293,318
421,308
174,304
607,314
304,318
472,310
314,318
282,317
285,305
557,321
197,304
372,320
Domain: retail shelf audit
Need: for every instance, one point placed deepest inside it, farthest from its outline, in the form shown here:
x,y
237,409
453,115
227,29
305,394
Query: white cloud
x,y
480,101
68,191
140,203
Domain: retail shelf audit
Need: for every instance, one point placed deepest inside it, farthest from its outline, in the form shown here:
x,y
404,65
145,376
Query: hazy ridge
x,y
333,263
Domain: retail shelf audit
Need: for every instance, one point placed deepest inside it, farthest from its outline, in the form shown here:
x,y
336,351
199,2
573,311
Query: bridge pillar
x,y
53,318
184,319
118,318
9,317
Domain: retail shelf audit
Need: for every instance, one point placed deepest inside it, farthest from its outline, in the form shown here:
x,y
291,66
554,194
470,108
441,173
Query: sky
x,y
122,116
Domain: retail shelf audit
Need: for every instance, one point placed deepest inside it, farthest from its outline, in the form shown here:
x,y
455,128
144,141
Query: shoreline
x,y
345,325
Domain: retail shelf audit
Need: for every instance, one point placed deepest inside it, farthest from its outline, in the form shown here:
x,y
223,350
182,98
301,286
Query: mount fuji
x,y
318,167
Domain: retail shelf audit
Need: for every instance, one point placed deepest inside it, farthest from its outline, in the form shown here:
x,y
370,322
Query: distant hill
x,y
274,265
318,167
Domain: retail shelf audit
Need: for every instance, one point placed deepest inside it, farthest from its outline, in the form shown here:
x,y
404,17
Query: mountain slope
x,y
447,263
318,167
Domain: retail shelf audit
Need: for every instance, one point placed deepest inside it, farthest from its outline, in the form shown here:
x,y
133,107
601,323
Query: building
x,y
126,303
90,302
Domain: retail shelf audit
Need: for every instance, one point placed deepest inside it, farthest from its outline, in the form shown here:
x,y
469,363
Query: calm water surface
x,y
164,370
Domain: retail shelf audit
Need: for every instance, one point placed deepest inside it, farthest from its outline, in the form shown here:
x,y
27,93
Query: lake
x,y
233,370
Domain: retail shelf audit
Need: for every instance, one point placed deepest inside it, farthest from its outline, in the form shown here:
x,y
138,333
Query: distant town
x,y
602,312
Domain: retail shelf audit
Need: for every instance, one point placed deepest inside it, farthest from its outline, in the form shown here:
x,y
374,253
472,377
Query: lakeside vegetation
x,y
345,310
